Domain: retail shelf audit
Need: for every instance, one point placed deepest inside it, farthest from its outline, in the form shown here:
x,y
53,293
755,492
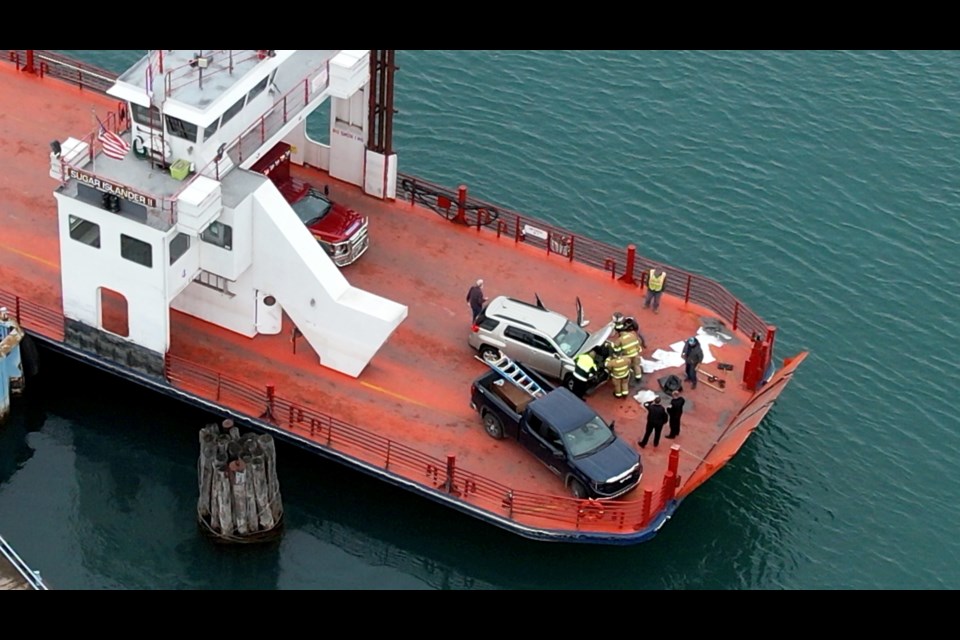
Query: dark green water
x,y
820,187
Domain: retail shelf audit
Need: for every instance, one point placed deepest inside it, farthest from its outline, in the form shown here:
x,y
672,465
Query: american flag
x,y
113,145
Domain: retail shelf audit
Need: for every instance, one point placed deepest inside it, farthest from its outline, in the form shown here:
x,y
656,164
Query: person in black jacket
x,y
656,418
476,300
675,410
692,357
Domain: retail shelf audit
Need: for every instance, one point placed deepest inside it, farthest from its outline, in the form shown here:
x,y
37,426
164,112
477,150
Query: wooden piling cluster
x,y
239,491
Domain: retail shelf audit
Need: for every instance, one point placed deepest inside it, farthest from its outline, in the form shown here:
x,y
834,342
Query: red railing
x,y
460,208
47,63
368,448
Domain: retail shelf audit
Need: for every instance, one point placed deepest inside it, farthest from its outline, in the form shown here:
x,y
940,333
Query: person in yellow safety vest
x,y
584,372
619,369
655,284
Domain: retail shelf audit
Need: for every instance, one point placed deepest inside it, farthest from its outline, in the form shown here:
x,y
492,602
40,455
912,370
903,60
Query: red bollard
x,y
673,463
461,204
669,490
627,277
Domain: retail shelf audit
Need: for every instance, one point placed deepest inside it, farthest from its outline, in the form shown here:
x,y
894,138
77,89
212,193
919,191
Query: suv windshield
x,y
570,339
591,436
311,208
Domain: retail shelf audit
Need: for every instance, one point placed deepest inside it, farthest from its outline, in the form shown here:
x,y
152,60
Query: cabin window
x,y
218,234
258,89
85,231
234,110
181,129
136,250
179,246
146,117
211,129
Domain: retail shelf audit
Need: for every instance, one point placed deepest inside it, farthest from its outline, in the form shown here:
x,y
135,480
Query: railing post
x,y
271,395
736,315
461,204
686,294
647,506
669,489
451,469
627,277
29,67
673,463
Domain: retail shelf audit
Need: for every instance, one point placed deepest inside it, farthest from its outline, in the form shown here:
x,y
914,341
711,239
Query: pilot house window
x,y
146,117
218,234
232,111
258,89
181,129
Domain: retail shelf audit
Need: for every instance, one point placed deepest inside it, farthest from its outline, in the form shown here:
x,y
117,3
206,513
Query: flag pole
x,y
93,139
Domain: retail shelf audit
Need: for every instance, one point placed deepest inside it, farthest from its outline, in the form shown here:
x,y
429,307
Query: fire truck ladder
x,y
512,372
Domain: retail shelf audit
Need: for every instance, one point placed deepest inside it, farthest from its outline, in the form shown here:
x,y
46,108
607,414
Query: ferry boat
x,y
138,238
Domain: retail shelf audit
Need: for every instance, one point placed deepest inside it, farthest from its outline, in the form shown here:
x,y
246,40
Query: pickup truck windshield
x,y
585,439
570,339
311,208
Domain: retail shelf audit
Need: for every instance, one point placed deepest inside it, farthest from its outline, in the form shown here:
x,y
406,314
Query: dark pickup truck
x,y
561,430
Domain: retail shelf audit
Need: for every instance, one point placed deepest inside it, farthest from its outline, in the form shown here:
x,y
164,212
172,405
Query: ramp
x,y
346,326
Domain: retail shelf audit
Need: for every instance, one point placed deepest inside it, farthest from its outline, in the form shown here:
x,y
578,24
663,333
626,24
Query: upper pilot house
x,y
158,210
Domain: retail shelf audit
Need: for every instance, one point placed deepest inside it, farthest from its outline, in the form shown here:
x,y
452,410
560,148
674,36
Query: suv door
x,y
533,350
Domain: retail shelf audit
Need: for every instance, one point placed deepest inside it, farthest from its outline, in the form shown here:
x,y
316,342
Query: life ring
x,y
591,510
139,147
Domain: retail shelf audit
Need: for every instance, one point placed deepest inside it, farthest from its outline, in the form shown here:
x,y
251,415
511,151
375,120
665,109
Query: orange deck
x,y
415,392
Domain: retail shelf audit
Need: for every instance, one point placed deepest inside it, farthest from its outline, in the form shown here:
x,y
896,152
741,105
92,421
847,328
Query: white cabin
x,y
179,222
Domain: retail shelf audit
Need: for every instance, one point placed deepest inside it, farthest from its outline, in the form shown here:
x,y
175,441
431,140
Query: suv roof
x,y
520,312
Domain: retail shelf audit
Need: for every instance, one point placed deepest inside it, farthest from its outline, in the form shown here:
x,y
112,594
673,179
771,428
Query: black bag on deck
x,y
670,383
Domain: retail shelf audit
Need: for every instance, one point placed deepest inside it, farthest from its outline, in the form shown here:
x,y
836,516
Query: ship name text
x,y
108,187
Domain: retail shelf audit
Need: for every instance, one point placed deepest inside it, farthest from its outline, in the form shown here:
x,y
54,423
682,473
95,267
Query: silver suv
x,y
532,334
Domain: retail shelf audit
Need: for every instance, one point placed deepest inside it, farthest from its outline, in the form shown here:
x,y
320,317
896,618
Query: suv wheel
x,y
493,426
488,353
570,382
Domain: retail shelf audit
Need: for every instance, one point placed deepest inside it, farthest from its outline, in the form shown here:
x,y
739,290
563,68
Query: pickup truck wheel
x,y
491,354
570,382
493,426
577,489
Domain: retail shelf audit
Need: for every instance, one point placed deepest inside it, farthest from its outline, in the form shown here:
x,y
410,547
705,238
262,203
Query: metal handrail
x,y
31,577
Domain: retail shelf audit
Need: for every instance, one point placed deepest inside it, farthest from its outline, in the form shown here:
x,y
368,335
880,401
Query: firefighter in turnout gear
x,y
619,369
630,342
630,348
